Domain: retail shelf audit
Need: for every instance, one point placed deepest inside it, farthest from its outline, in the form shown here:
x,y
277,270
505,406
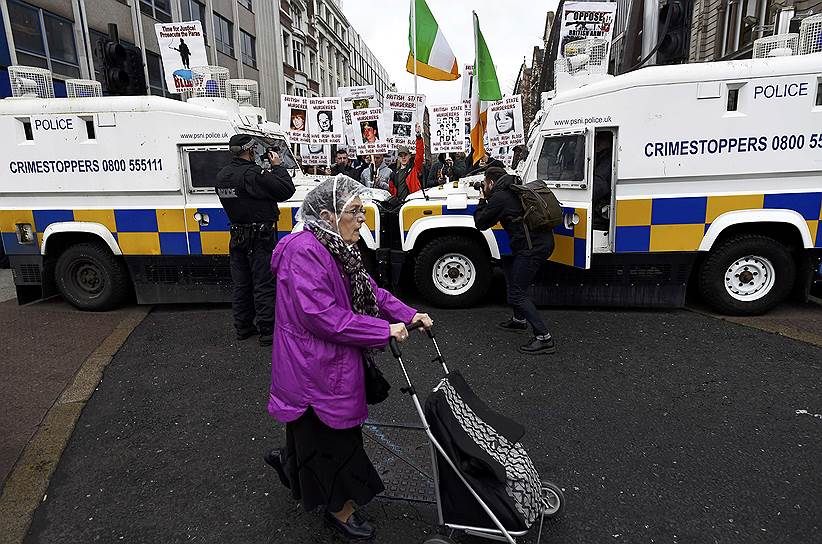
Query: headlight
x,y
25,234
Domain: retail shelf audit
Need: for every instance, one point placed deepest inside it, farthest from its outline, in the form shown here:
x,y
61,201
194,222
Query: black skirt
x,y
327,467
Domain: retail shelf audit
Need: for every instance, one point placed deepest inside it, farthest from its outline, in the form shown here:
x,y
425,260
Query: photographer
x,y
249,196
501,205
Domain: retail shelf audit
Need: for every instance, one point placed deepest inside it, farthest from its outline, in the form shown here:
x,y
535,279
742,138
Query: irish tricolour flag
x,y
434,57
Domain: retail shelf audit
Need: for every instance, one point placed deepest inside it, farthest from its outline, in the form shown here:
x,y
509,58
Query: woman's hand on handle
x,y
398,332
425,319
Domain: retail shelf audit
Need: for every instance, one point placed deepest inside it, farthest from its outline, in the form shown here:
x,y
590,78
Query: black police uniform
x,y
249,196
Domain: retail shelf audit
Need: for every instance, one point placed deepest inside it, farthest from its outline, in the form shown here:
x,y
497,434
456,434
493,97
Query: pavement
x,y
7,291
51,358
660,426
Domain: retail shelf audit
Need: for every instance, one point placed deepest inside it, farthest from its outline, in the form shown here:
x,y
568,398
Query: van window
x,y
204,165
562,158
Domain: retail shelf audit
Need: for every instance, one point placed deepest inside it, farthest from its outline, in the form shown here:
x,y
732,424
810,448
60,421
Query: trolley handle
x,y
394,345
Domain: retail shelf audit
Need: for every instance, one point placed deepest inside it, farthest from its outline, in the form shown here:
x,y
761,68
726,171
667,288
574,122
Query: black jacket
x,y
250,194
503,206
347,170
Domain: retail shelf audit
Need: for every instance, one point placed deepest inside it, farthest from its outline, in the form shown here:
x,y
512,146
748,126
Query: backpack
x,y
541,209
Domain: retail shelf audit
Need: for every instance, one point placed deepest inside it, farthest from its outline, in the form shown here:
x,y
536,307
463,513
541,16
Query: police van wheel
x,y
91,278
452,272
747,275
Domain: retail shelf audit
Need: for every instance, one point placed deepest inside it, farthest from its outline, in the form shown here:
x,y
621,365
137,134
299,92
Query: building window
x,y
192,10
299,58
286,48
246,4
223,35
297,17
156,81
249,49
312,66
158,9
43,39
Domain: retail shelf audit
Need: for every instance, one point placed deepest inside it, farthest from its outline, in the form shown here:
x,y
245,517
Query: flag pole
x,y
474,83
414,40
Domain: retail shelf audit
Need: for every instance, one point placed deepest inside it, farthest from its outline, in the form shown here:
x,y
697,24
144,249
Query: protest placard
x,y
402,113
182,46
315,154
293,115
582,20
325,121
369,129
505,125
447,128
355,98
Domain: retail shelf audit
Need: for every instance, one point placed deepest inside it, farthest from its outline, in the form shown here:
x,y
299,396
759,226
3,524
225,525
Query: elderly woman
x,y
331,317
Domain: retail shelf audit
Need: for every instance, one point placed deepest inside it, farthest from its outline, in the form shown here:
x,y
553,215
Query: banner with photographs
x,y
293,117
369,131
325,121
505,127
447,128
402,113
182,46
582,20
315,154
356,98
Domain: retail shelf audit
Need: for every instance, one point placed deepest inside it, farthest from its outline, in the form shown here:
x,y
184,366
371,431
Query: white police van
x,y
706,173
105,196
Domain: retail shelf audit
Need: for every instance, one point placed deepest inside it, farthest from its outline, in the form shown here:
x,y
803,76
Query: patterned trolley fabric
x,y
679,224
523,485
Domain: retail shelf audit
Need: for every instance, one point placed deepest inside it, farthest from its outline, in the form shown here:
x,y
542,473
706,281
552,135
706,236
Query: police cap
x,y
240,143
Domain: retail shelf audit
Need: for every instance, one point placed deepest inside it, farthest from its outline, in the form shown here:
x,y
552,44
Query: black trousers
x,y
519,276
254,289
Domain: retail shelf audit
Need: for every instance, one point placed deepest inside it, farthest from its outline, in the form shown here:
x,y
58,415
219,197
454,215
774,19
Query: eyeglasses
x,y
354,212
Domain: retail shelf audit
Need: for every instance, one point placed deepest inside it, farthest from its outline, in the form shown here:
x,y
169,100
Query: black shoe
x,y
266,340
246,334
356,528
537,346
274,459
513,325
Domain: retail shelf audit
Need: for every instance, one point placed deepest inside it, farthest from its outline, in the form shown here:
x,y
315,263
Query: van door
x,y
206,221
563,162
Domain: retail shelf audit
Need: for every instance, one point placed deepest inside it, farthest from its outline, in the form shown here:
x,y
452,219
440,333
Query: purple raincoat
x,y
318,339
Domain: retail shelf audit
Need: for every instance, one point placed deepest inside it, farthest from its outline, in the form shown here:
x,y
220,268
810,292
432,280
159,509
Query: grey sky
x,y
511,28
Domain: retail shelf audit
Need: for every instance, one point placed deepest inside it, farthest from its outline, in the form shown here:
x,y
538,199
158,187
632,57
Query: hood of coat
x,y
504,183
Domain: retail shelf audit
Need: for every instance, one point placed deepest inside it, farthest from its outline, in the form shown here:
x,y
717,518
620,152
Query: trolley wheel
x,y
439,539
91,278
553,500
453,272
747,275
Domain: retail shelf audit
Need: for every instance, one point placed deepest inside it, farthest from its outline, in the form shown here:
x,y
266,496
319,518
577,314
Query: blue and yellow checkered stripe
x,y
137,231
146,231
679,224
569,244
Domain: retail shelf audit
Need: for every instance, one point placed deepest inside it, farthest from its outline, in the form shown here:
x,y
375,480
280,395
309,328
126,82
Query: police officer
x,y
249,196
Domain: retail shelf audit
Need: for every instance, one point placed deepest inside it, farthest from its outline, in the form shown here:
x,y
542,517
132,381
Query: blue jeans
x,y
519,276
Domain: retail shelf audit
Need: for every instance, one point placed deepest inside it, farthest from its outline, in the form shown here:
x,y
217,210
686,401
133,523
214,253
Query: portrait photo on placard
x,y
403,116
402,130
325,120
370,131
297,120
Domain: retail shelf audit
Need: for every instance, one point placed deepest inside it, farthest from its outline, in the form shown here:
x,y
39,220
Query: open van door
x,y
564,162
